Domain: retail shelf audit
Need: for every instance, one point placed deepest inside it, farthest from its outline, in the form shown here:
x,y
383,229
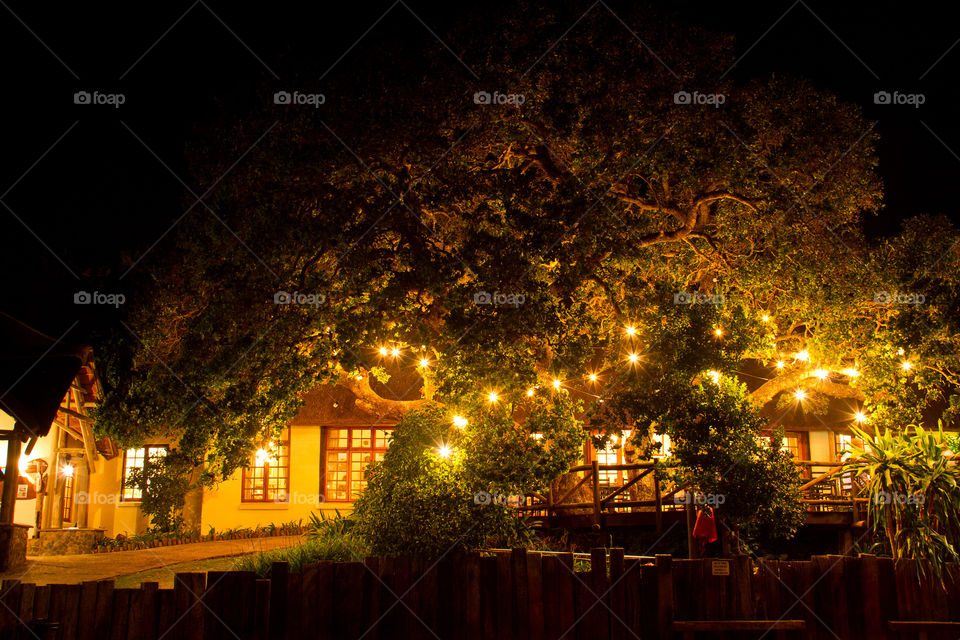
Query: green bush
x,y
330,539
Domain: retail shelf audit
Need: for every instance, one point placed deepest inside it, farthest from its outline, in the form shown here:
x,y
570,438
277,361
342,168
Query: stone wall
x,y
13,545
65,542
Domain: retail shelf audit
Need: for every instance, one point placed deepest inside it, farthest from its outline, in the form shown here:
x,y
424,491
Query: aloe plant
x,y
913,486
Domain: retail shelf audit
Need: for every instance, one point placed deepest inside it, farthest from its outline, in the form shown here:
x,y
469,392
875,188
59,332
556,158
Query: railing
x,y
604,489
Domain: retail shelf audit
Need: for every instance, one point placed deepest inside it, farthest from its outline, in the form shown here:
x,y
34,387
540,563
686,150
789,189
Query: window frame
x,y
124,470
283,480
350,450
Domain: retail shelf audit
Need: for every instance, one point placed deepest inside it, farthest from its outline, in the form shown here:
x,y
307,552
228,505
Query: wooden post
x,y
688,509
11,477
597,517
658,504
549,504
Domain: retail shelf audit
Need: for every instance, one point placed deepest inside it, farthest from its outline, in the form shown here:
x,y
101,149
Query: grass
x,y
340,548
164,575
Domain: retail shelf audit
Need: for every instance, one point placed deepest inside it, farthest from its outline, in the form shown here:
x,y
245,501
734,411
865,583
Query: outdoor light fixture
x,y
860,416
800,395
444,451
633,357
68,471
493,396
718,332
383,351
556,384
592,377
424,363
459,421
395,352
765,318
906,365
631,331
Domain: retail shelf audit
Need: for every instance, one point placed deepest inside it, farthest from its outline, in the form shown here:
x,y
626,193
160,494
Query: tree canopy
x,y
547,235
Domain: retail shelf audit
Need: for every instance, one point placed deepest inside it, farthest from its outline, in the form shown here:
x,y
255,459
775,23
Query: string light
x,y
631,331
633,357
444,451
715,376
383,351
395,352
906,365
493,396
821,373
851,372
800,395
556,384
860,416
530,392
459,421
424,363
592,377
803,356
718,332
765,318
780,364
359,378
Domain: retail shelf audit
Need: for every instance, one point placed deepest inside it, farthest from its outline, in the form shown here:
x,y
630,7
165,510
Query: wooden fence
x,y
513,594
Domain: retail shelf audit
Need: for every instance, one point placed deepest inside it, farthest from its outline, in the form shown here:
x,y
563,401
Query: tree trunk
x,y
193,503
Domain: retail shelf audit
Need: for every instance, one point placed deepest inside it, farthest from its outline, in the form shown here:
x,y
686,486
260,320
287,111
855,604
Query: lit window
x,y
664,449
267,477
134,460
613,454
350,450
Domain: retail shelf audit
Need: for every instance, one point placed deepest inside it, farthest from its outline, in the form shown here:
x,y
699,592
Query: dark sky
x,y
83,183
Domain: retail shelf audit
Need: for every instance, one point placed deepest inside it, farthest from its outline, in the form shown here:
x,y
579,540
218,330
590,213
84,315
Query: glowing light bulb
x,y
383,351
459,421
906,365
821,373
424,363
530,392
860,416
395,352
803,356
633,357
493,396
359,378
765,318
592,377
851,372
781,364
68,470
800,395
556,384
537,436
444,451
718,332
631,331
715,376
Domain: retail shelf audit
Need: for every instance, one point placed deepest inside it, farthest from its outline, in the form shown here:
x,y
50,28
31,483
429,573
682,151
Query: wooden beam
x,y
89,443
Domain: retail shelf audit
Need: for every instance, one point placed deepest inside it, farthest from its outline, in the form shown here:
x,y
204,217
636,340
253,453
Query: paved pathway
x,y
102,566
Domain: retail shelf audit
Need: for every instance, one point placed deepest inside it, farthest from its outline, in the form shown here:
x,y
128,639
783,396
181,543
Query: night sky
x,y
88,184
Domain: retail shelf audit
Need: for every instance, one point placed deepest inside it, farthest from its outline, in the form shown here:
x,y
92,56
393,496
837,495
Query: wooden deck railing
x,y
604,489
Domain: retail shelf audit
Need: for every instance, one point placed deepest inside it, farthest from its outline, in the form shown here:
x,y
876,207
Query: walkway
x,y
103,566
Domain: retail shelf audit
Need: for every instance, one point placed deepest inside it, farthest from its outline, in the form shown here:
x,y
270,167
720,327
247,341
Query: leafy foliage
x,y
439,488
913,490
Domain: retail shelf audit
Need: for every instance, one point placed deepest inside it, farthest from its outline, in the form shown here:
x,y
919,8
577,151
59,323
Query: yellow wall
x,y
223,509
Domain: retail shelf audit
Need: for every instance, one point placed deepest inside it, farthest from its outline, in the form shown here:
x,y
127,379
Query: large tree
x,y
602,193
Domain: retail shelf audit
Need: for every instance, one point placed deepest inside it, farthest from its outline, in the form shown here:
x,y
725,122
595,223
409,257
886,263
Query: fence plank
x,y
279,578
870,592
294,604
887,595
25,610
584,599
87,610
648,614
166,612
446,620
616,597
348,579
521,594
488,581
121,610
566,590
143,612
535,595
10,592
504,595
600,615
261,618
